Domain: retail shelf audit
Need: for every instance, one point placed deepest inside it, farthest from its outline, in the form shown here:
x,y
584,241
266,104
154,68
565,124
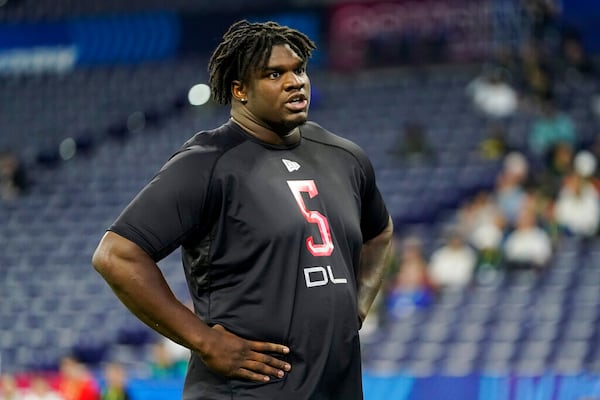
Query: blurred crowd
x,y
14,181
545,191
76,380
514,228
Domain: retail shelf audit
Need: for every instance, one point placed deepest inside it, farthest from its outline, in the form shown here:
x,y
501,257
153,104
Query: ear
x,y
238,91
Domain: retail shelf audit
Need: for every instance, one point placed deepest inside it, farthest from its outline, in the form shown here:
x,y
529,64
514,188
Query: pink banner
x,y
408,31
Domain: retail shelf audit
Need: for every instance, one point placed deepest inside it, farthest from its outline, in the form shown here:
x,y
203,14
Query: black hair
x,y
246,47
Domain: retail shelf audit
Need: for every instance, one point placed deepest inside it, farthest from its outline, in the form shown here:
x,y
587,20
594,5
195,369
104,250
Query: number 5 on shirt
x,y
325,248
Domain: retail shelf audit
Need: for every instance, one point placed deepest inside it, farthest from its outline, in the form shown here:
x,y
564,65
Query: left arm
x,y
372,268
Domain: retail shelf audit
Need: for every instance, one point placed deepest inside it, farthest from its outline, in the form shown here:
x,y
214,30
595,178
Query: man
x,y
76,382
282,229
115,387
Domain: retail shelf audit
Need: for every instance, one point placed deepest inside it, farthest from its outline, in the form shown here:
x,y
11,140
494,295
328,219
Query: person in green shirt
x,y
116,383
164,364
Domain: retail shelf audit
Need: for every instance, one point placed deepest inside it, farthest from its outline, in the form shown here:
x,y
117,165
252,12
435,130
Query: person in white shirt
x,y
453,264
492,95
40,390
577,208
528,244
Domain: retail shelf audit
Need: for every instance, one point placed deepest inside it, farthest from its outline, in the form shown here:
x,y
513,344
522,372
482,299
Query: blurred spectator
x,y
165,363
510,186
543,17
116,383
453,264
40,389
577,208
576,63
413,147
535,78
495,144
558,167
411,288
480,221
549,129
507,63
542,207
13,178
527,246
8,388
492,95
75,382
488,267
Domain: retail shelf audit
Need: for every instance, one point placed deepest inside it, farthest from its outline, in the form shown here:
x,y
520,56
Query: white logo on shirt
x,y
319,276
291,165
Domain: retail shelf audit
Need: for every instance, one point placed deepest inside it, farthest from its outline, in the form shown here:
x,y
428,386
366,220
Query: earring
x,y
244,101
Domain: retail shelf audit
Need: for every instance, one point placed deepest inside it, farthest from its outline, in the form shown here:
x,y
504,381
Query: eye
x,y
300,71
274,75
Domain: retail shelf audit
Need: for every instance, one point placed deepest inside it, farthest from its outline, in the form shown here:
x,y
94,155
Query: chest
x,y
302,194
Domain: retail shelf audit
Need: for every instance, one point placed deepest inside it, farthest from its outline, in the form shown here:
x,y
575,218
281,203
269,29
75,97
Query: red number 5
x,y
314,217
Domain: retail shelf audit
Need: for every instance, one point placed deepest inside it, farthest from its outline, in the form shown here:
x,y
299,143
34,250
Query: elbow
x,y
106,255
115,254
100,259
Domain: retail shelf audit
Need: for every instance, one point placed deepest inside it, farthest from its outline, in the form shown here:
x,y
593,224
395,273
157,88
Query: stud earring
x,y
244,101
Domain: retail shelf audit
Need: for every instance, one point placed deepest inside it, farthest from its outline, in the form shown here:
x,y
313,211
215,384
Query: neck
x,y
265,133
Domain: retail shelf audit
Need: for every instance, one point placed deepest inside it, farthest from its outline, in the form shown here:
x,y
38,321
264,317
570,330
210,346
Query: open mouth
x,y
297,103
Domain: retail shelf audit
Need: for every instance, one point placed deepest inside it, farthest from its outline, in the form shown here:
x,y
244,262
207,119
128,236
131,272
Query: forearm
x,y
139,284
372,268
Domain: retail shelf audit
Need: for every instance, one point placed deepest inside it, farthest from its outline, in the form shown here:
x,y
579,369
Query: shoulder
x,y
206,147
212,141
314,132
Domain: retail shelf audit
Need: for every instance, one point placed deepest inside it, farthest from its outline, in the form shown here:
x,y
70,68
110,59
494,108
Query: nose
x,y
294,81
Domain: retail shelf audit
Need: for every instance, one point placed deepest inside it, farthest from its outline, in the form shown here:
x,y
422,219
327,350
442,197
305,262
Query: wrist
x,y
203,340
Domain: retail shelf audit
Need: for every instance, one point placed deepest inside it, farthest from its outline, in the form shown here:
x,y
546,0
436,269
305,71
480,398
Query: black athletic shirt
x,y
270,238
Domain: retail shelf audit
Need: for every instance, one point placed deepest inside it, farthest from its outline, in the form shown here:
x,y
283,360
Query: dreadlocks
x,y
247,46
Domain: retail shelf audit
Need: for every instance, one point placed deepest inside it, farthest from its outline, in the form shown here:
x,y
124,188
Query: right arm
x,y
138,282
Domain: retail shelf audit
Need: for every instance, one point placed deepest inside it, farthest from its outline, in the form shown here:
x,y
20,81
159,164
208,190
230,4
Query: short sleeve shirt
x,y
270,238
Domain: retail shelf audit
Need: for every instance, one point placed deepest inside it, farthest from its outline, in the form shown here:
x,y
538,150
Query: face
x,y
526,220
69,368
115,374
278,96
